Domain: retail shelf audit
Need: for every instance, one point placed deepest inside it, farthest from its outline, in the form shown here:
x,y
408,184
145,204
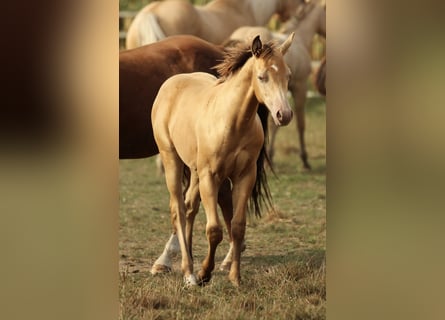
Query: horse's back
x,y
184,90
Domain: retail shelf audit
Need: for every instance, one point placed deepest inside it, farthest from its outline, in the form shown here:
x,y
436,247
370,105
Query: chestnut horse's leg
x,y
209,187
173,178
242,190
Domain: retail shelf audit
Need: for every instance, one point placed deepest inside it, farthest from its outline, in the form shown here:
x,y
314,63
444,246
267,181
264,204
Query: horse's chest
x,y
227,153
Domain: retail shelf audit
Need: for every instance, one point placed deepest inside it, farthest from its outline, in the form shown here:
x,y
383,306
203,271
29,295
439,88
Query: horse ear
x,y
286,44
257,46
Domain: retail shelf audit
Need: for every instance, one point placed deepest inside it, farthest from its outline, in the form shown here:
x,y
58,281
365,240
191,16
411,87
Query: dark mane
x,y
235,57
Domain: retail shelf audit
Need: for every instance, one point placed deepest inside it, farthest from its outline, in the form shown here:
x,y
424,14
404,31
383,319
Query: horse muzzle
x,y
282,116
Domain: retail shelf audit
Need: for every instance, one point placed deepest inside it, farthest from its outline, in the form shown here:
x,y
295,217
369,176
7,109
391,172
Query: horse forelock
x,y
236,57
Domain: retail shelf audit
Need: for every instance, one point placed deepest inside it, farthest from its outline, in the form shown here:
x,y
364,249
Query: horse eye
x,y
262,77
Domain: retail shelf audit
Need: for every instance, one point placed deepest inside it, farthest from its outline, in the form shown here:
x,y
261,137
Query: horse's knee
x,y
238,231
176,209
214,234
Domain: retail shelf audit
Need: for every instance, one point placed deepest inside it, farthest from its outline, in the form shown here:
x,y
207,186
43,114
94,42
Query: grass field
x,y
283,267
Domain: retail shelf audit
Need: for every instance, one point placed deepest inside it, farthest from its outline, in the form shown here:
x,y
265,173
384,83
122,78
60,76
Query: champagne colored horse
x,y
141,73
211,126
311,20
213,22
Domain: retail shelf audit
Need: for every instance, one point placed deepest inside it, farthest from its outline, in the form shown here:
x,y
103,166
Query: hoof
x,y
306,166
190,280
203,279
235,278
159,269
236,281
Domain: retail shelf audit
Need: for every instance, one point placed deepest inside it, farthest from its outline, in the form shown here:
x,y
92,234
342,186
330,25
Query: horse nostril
x,y
279,115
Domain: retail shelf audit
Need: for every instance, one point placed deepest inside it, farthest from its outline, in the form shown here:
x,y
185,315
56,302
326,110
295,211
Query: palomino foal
x,y
211,126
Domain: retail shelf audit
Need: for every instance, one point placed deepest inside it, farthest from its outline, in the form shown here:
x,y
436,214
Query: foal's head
x,y
269,74
270,78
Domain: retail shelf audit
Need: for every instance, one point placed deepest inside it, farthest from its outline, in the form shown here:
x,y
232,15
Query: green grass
x,y
283,267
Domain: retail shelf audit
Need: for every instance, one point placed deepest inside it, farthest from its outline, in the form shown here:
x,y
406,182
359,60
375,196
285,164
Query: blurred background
x,y
129,8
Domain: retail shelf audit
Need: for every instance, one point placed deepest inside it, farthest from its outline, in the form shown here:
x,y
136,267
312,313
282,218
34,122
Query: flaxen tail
x,y
144,30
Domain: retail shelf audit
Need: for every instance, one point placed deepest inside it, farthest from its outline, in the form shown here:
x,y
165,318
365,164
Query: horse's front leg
x,y
242,190
173,178
208,186
192,207
164,263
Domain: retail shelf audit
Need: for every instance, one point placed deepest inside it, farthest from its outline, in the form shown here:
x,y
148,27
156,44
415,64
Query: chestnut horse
x,y
211,126
141,73
213,22
311,19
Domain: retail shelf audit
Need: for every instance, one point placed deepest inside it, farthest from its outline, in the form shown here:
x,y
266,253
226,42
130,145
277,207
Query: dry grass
x,y
282,269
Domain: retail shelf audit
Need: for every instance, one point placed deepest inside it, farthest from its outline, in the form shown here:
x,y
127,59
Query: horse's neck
x,y
307,28
262,10
239,97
